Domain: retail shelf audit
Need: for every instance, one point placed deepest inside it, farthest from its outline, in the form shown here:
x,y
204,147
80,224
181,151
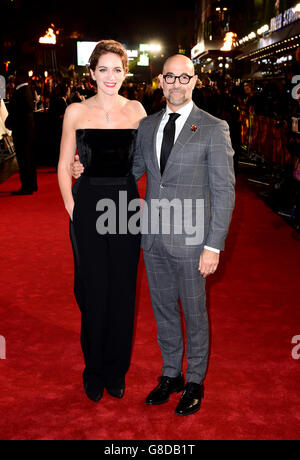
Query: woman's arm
x,y
67,152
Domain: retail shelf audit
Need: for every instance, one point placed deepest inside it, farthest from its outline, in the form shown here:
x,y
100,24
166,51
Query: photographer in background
x,y
21,121
3,115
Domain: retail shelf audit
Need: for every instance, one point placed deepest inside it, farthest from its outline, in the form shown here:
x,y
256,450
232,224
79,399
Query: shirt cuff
x,y
212,249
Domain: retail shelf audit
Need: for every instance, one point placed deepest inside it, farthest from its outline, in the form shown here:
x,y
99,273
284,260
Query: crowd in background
x,y
270,97
224,99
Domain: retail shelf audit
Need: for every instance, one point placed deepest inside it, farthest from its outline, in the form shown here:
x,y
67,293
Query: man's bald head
x,y
179,60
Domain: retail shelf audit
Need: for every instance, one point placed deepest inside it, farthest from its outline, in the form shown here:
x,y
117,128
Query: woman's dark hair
x,y
108,46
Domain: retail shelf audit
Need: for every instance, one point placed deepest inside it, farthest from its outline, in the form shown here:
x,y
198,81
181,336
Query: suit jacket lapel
x,y
186,133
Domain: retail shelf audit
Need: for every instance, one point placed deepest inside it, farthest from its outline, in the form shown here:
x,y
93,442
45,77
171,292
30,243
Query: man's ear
x,y
195,78
161,79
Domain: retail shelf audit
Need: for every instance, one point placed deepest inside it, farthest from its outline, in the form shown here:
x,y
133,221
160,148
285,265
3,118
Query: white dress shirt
x,y
179,123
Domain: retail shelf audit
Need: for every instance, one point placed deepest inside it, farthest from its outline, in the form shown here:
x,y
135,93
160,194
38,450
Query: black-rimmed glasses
x,y
184,78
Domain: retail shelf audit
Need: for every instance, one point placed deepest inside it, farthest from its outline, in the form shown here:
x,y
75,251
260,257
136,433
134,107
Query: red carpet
x,y
252,385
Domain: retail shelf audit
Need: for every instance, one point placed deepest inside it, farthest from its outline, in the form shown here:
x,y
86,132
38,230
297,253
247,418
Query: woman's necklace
x,y
107,113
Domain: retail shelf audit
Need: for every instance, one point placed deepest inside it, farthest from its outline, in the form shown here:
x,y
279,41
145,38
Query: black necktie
x,y
168,140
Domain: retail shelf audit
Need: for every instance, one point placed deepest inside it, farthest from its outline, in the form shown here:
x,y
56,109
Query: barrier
x,y
266,137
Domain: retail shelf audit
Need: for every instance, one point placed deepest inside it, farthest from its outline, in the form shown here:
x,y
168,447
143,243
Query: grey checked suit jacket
x,y
200,171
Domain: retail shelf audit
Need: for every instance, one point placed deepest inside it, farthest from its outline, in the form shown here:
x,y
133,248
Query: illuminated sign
x,y
276,23
84,51
152,47
284,19
144,60
198,49
132,53
290,16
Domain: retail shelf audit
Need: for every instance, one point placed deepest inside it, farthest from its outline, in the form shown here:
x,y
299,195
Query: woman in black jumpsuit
x,y
106,253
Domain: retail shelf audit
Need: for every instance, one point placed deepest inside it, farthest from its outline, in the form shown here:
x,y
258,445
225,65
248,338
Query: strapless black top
x,y
106,152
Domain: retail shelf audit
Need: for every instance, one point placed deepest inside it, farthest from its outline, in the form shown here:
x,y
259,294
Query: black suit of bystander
x,y
21,121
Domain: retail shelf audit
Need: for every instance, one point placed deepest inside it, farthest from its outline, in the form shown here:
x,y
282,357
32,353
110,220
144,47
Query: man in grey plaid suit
x,y
198,174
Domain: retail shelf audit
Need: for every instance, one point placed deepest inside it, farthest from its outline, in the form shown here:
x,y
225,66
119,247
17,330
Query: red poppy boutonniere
x,y
194,128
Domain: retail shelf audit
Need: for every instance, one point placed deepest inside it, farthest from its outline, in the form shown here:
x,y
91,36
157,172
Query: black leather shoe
x,y
190,401
117,389
167,386
93,393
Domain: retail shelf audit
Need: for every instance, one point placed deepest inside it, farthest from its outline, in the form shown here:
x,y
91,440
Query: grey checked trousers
x,y
170,279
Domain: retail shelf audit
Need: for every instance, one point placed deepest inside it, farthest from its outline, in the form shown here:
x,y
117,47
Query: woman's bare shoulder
x,y
78,107
74,108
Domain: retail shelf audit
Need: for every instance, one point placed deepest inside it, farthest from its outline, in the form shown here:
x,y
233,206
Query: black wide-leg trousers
x,y
105,279
24,146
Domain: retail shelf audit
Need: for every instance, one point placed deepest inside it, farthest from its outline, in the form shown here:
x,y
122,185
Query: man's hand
x,y
76,168
208,263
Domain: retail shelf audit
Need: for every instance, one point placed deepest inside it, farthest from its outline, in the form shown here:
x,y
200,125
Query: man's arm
x,y
138,165
221,183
